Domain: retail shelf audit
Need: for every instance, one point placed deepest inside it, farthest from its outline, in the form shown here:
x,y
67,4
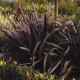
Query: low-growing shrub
x,y
67,7
4,20
12,71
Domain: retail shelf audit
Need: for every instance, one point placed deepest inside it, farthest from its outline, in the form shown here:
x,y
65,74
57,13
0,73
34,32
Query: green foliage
x,y
4,20
12,71
40,5
72,17
69,10
8,7
6,4
78,14
35,1
67,7
5,7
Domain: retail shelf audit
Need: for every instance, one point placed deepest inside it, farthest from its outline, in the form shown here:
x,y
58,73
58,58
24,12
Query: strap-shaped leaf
x,y
35,13
53,44
49,10
26,49
45,60
13,23
35,48
59,62
47,37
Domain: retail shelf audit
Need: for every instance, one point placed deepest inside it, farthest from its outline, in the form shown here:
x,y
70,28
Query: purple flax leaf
x,y
4,26
53,54
35,23
26,49
35,49
64,36
13,23
37,61
29,13
47,37
26,28
49,10
65,68
45,60
11,36
64,43
57,22
69,37
29,21
59,62
17,36
34,32
46,56
9,33
53,49
42,21
23,64
55,45
48,13
22,13
25,35
36,15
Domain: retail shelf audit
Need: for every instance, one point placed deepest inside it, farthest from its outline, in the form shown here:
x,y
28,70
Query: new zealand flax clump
x,y
48,47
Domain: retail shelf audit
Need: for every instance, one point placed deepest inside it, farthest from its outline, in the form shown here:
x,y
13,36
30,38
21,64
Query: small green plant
x,y
12,71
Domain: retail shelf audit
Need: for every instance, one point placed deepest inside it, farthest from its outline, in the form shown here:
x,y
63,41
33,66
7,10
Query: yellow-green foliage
x,y
5,21
12,71
5,9
66,17
67,7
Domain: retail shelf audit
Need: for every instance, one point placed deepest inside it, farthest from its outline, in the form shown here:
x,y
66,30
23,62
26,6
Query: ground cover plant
x,y
4,20
51,47
70,10
6,7
12,71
